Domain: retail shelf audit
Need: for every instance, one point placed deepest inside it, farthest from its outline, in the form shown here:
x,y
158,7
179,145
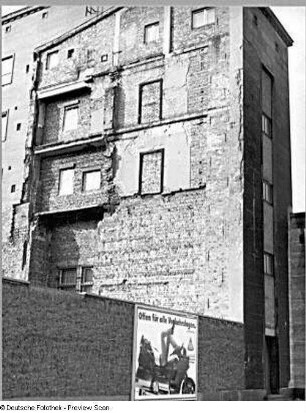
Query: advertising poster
x,y
165,355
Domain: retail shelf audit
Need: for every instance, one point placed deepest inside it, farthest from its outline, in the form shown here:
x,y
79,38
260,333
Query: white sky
x,y
293,19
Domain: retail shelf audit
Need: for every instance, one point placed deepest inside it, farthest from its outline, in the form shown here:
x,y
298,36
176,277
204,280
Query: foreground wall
x,y
59,345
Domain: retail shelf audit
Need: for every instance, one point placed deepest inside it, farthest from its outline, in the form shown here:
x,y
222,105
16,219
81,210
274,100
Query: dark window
x,y
70,53
24,254
202,17
27,68
151,33
4,125
268,264
8,29
104,58
68,279
92,180
44,15
151,172
18,127
87,279
9,168
255,20
7,70
267,192
52,60
13,188
150,101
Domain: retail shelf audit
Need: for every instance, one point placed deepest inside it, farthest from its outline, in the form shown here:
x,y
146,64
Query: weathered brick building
x,y
22,31
157,169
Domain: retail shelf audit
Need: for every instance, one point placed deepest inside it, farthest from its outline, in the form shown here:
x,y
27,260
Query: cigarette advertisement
x,y
165,355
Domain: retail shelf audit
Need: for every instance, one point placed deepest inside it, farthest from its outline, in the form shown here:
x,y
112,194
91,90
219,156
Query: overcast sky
x,y
293,19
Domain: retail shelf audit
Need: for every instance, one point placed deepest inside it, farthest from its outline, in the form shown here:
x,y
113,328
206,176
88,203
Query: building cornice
x,y
19,14
276,24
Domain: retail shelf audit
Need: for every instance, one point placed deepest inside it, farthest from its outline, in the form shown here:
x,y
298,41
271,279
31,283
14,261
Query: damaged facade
x,y
158,168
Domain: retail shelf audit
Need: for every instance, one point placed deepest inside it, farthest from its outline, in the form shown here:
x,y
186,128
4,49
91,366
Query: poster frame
x,y
134,361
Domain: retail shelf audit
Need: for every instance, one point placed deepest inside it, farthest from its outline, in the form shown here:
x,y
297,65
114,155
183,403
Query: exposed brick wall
x,y
49,180
297,299
132,27
55,112
158,250
89,45
183,34
64,345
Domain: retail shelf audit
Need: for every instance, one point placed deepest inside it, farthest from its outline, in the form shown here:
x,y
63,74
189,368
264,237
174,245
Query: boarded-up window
x,y
52,60
7,70
91,180
66,181
150,102
151,33
203,16
151,172
70,118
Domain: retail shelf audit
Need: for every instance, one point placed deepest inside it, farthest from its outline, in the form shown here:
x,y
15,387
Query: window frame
x,y
140,91
141,157
88,171
79,284
85,283
6,112
55,52
266,120
11,56
66,109
147,27
61,170
267,192
267,256
63,286
202,10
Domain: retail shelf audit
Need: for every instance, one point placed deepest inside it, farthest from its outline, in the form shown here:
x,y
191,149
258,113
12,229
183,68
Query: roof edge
x,y
279,28
77,29
18,14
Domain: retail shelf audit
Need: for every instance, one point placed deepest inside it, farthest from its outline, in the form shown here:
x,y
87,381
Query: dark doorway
x,y
272,365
